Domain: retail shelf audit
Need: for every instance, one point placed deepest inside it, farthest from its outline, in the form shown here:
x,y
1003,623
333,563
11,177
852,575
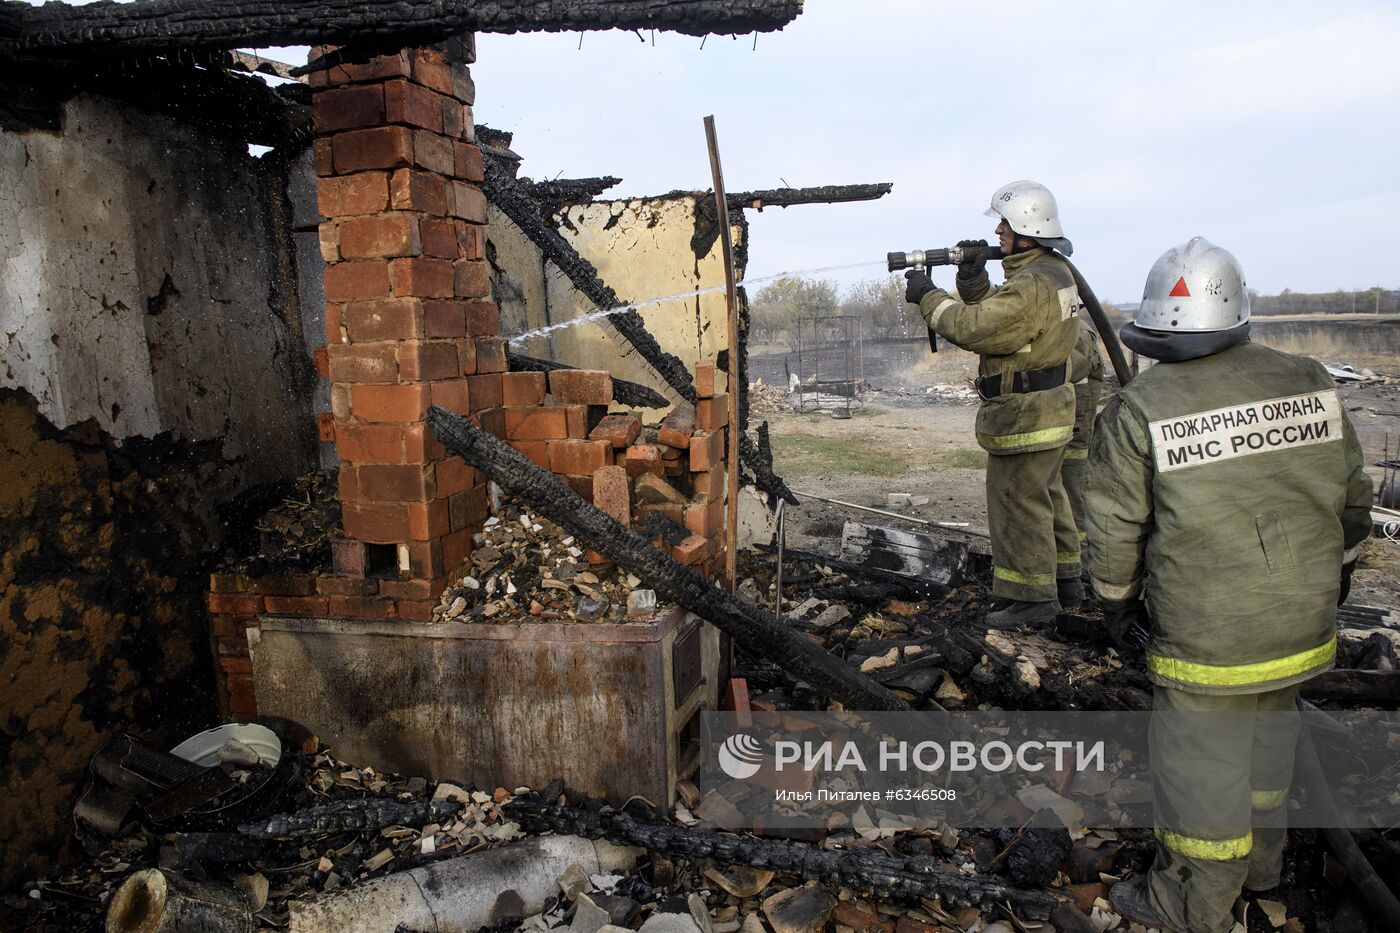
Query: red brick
x,y
340,584
426,520
444,319
414,589
706,450
577,457
335,323
711,484
677,427
236,665
468,202
487,391
618,430
243,707
705,379
376,69
671,510
472,279
361,607
468,161
347,195
736,700
412,104
371,443
692,550
469,508
325,427
364,362
389,403
439,237
536,424
457,546
491,355
413,190
348,108
375,522
430,69
581,386
421,278
1085,894
520,388
420,446
229,583
483,318
349,482
711,414
643,458
582,485
466,355
285,584
229,627
471,240
382,236
492,421
432,151
907,924
416,610
353,281
323,157
536,451
381,147
452,394
652,489
384,319
321,360
427,361
395,482
463,88
328,237
705,519
612,494
235,604
424,560
347,557
577,419
296,605
454,117
454,475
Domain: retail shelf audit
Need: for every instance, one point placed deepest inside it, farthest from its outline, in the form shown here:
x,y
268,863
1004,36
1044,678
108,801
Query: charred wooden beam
x,y
357,815
627,393
555,195
861,869
1372,688
165,24
511,197
757,630
822,194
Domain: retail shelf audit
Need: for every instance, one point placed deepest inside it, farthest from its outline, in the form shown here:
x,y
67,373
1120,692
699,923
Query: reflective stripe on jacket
x,y
1230,485
1027,324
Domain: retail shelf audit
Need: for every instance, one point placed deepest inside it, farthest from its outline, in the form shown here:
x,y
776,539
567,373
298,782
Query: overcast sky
x,y
1273,128
1270,128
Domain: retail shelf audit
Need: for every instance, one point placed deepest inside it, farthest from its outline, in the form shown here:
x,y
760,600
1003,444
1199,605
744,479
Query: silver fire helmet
x,y
1029,208
1196,287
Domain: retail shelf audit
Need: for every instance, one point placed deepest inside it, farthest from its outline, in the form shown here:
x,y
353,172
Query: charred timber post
x,y
512,198
860,869
731,530
823,194
757,630
168,24
627,393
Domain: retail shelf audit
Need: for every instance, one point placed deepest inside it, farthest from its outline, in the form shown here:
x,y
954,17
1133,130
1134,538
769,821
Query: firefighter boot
x,y
1070,592
1016,614
1131,901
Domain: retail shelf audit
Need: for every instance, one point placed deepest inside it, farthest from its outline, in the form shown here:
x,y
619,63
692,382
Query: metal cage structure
x,y
830,364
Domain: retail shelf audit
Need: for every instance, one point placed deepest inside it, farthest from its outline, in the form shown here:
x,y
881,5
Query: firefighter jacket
x,y
1026,326
1228,489
1086,373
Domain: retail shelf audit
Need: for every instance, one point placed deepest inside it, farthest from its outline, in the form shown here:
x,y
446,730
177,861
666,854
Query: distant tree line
x,y
879,303
1366,301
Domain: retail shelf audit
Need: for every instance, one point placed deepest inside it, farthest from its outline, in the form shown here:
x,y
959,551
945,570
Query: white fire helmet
x,y
1029,208
1196,287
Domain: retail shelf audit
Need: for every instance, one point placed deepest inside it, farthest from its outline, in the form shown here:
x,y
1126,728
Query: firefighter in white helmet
x,y
1226,502
1024,331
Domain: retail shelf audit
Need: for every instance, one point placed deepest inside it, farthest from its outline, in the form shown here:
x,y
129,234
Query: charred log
x,y
1372,688
861,869
626,393
554,196
824,194
164,24
755,629
758,460
351,816
512,198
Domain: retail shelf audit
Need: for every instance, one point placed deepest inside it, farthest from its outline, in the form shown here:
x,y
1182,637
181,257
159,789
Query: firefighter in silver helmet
x,y
1226,502
1023,331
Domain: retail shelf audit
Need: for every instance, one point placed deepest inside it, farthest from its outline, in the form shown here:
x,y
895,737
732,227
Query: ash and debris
x,y
524,569
283,527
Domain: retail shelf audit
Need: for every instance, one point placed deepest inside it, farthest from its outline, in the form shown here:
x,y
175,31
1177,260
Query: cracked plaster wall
x,y
139,288
643,248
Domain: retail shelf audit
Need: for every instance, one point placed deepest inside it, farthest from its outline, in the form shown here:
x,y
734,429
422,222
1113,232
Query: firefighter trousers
x,y
1034,538
1221,769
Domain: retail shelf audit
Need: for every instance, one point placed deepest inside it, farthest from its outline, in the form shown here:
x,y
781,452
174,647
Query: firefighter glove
x,y
918,284
972,266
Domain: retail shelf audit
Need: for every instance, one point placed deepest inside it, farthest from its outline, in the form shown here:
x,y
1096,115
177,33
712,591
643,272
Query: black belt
x,y
1037,380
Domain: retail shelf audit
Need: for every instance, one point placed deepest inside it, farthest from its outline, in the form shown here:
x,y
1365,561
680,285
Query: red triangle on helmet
x,y
1179,290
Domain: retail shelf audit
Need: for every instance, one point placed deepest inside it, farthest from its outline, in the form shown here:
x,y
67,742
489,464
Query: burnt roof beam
x,y
823,194
162,24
